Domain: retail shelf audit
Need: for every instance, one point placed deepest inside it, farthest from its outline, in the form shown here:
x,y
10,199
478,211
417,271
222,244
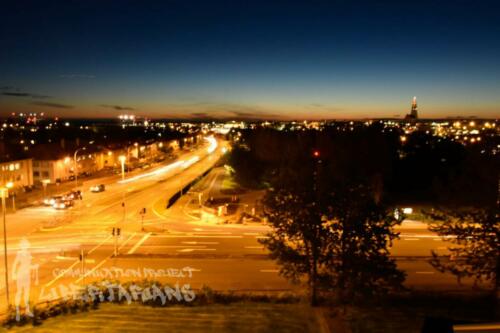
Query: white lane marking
x,y
195,236
98,245
411,239
205,243
254,247
269,270
61,274
126,241
429,273
139,243
191,250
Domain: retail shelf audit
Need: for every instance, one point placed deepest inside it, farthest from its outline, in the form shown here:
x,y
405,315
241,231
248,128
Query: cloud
x,y
12,91
118,107
76,76
8,88
15,94
23,94
52,105
200,115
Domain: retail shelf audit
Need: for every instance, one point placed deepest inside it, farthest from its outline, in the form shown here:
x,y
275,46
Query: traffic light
x,y
316,153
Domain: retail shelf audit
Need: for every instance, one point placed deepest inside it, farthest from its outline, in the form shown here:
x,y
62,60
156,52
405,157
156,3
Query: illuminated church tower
x,y
413,115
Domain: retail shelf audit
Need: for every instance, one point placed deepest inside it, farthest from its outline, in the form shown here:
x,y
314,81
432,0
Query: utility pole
x,y
116,234
142,212
82,262
4,192
76,166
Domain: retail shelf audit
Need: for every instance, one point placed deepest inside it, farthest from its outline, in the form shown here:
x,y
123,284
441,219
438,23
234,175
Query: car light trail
x,y
213,144
157,172
182,164
190,162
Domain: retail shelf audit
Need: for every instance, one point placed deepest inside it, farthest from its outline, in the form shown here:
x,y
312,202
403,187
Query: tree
x,y
475,234
339,239
248,169
361,231
299,239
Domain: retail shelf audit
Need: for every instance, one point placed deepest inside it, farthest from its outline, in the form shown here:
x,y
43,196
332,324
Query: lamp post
x,y
11,185
76,165
4,193
45,182
122,160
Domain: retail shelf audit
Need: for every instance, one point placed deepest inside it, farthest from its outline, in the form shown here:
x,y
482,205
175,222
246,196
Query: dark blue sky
x,y
310,59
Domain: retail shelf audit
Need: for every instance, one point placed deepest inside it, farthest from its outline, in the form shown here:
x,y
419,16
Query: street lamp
x,y
45,182
76,165
10,185
122,159
4,193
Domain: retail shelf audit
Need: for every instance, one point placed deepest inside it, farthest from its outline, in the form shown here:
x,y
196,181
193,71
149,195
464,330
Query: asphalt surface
x,y
184,244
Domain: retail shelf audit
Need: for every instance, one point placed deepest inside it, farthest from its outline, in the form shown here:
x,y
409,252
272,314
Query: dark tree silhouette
x,y
299,240
361,231
475,235
339,240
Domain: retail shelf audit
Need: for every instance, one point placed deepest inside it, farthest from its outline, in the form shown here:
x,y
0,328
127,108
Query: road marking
x,y
61,274
95,247
191,250
139,243
93,269
269,270
254,247
126,241
411,239
425,273
205,243
66,258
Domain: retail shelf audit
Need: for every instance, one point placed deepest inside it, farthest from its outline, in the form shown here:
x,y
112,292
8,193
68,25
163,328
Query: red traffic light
x,y
316,153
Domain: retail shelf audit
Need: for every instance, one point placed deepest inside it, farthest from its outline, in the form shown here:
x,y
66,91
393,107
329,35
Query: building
x,y
413,115
18,172
54,163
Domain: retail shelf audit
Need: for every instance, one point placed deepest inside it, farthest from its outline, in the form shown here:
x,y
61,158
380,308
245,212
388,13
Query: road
x,y
164,242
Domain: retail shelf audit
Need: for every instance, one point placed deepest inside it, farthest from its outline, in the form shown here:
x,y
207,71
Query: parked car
x,y
51,200
62,203
98,188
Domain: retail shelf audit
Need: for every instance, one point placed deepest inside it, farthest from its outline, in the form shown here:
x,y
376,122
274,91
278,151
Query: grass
x,y
407,314
237,317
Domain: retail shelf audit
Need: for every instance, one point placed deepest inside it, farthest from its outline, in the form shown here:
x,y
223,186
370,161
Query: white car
x,y
62,204
98,188
50,201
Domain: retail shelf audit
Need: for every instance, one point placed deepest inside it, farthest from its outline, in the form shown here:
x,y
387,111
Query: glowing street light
x,y
122,159
76,165
10,185
45,182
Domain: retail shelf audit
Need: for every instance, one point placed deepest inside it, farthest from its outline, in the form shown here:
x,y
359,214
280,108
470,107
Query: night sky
x,y
250,59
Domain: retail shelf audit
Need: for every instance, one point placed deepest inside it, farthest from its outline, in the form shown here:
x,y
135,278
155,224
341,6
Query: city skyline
x,y
275,61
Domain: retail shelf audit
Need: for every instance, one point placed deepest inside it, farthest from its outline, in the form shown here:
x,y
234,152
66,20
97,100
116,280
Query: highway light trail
x,y
190,162
184,164
213,144
157,172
